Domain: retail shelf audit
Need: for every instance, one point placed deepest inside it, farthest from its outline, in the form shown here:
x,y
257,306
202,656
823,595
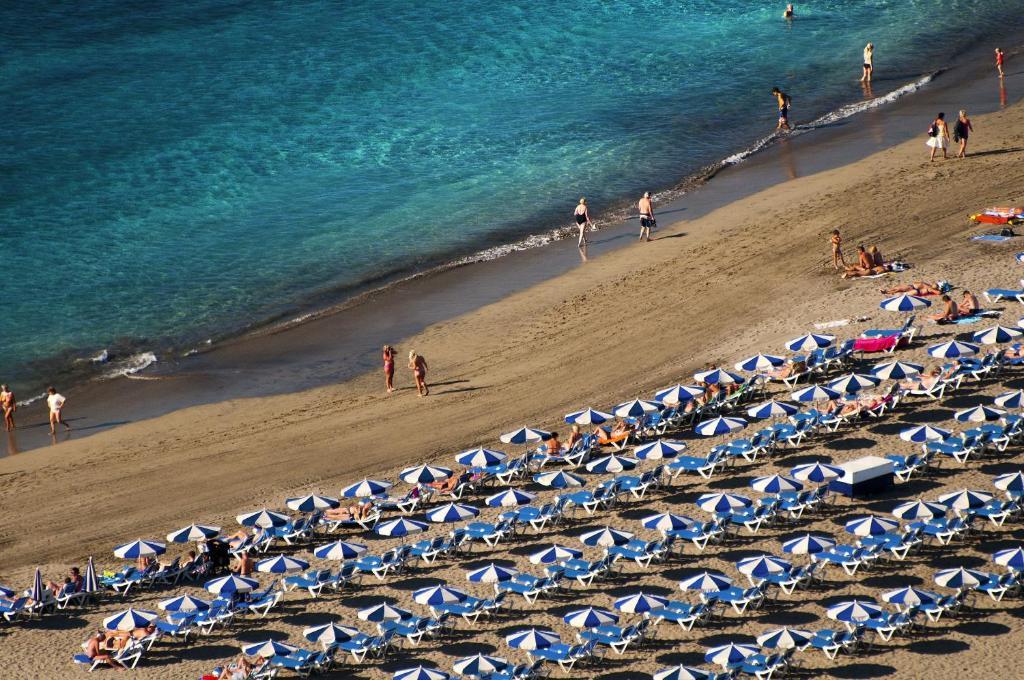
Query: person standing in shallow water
x,y
784,101
582,217
1000,58
9,404
788,14
388,355
419,372
869,63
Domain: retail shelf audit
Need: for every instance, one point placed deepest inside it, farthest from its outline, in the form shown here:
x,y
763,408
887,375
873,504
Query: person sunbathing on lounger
x,y
96,649
619,432
950,312
357,512
241,669
968,304
1016,351
574,437
553,446
790,368
915,288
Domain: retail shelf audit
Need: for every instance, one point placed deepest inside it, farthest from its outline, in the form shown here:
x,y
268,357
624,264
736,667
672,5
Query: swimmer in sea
x,y
788,14
9,405
582,217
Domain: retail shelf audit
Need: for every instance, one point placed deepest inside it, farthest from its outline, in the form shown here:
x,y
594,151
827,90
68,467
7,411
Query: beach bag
x,y
933,130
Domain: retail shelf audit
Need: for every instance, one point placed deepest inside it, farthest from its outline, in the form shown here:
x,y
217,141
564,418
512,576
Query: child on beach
x,y
837,250
56,403
999,61
784,101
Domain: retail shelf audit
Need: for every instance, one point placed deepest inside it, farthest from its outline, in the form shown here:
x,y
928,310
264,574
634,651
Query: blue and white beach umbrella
x,y
960,578
605,537
439,594
808,544
637,408
921,434
895,370
1014,399
760,566
268,648
965,499
772,409
532,638
979,414
525,435
492,573
509,498
366,488
997,335
678,394
329,634
424,474
910,596
452,512
611,464
193,532
480,457
952,350
718,376
853,611
904,303
719,425
384,611
130,619
311,503
231,584
282,564
1011,558
730,654
870,526
775,484
706,582
265,519
420,673
639,603
479,665
558,480
90,584
784,638
722,502
140,548
400,527
588,416
591,617
854,382
810,342
8,592
666,521
185,603
554,554
919,510
682,673
815,393
817,472
661,448
36,591
759,362
1010,482
339,550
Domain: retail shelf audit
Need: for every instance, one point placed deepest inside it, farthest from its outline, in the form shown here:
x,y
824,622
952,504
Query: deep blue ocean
x,y
171,172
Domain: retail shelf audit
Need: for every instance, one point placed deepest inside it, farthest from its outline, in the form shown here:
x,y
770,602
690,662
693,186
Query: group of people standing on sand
x,y
417,364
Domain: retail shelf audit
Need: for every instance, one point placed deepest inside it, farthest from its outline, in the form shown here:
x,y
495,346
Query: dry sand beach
x,y
742,279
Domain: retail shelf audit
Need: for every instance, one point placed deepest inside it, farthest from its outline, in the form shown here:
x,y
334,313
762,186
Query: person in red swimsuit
x,y
388,355
999,61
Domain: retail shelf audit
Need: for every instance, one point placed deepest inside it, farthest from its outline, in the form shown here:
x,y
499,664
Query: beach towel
x,y
980,315
992,238
876,344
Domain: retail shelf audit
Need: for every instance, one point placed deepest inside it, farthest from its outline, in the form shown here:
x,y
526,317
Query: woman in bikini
x,y
869,63
9,405
916,288
582,217
419,372
388,355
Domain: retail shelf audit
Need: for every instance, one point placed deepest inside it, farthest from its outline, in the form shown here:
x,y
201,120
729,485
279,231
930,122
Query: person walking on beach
x,y
646,216
419,372
388,355
1000,58
938,135
962,129
56,403
784,101
9,405
869,63
582,216
837,250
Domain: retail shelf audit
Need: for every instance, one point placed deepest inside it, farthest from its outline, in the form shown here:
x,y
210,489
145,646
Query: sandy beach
x,y
741,279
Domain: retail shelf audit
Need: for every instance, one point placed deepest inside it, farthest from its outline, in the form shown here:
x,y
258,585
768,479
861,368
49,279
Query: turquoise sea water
x,y
171,172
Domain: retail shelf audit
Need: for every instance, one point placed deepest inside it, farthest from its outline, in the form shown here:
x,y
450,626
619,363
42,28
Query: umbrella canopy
x,y
492,573
480,457
379,613
400,527
775,484
7,592
640,602
140,548
870,526
761,566
904,303
960,578
918,510
678,394
554,554
923,433
730,654
282,564
525,435
808,544
366,488
965,499
666,521
706,582
1012,481
509,499
719,425
558,480
1012,400
854,382
605,537
90,583
591,617
637,408
311,503
1011,558
722,502
682,673
588,416
661,448
532,638
815,393
810,342
439,594
268,648
36,591
184,603
910,596
231,585
817,472
853,611
330,633
339,550
759,362
772,409
895,370
952,350
784,638
193,532
979,414
613,464
997,335
424,474
420,673
263,518
479,665
130,619
718,376
452,512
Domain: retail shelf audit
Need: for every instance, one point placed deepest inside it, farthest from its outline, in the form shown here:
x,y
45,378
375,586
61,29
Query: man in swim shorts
x,y
646,216
784,101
